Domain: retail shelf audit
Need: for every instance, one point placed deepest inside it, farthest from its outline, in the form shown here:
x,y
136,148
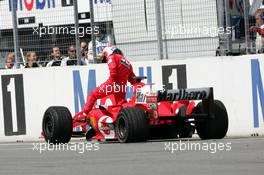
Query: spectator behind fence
x,y
83,46
84,58
71,59
10,61
100,43
56,57
31,60
259,29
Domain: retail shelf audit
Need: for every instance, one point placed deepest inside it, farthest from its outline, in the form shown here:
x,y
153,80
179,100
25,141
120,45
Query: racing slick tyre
x,y
57,125
216,127
132,125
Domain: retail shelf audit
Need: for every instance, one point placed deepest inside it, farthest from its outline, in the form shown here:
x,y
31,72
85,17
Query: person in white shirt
x,y
56,57
101,42
72,57
259,29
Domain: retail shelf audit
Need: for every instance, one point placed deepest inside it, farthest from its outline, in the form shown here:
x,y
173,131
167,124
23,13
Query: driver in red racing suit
x,y
121,71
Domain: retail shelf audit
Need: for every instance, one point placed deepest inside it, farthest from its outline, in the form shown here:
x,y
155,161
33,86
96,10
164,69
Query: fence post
x,y
159,28
228,24
246,19
77,38
164,30
15,33
93,26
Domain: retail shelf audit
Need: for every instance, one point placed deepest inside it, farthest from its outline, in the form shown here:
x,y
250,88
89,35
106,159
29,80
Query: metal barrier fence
x,y
40,26
160,29
143,29
36,29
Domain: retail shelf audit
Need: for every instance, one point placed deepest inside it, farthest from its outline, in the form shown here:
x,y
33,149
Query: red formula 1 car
x,y
147,115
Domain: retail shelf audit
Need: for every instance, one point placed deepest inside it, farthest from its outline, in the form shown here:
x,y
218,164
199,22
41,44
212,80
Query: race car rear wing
x,y
185,94
204,94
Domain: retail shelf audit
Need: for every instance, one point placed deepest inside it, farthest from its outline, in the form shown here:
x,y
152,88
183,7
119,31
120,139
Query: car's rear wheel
x,y
132,125
215,127
57,125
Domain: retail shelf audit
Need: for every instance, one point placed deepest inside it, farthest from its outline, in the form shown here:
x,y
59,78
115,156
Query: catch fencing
x,y
143,29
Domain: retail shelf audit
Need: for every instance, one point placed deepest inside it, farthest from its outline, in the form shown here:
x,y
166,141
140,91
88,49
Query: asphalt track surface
x,y
245,157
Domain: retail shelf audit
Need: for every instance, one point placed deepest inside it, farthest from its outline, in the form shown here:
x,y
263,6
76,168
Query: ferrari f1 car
x,y
161,114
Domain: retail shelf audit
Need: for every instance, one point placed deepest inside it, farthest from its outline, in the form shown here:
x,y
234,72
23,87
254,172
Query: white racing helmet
x,y
109,51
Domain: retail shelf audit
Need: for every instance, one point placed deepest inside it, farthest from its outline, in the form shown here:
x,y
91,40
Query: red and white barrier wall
x,y
25,94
